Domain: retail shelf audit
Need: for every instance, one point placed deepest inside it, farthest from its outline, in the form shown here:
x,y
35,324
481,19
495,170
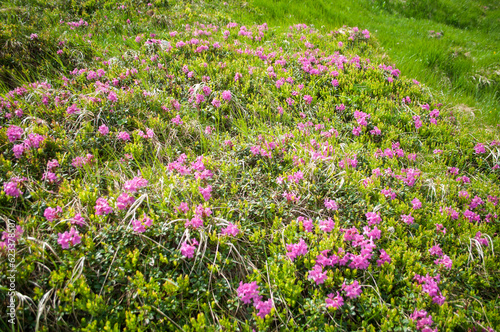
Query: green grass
x,y
461,67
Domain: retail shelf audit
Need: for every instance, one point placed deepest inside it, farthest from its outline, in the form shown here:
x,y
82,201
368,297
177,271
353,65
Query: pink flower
x,y
18,150
416,204
417,121
373,218
330,204
226,95
52,164
177,120
103,130
135,184
298,249
326,225
82,161
138,227
481,240
308,99
102,207
231,229
407,219
207,90
356,131
11,189
334,301
206,192
307,224
445,261
264,307
72,109
317,274
216,103
14,133
187,250
183,207
50,177
124,136
384,257
66,238
353,290
375,131
52,213
112,97
124,201
78,220
479,148
436,250
195,223
248,292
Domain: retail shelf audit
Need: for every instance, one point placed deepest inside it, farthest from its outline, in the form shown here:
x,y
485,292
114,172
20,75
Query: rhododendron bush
x,y
213,175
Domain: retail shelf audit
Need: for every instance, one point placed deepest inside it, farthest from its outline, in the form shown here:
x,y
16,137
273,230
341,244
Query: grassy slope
x,y
118,278
461,67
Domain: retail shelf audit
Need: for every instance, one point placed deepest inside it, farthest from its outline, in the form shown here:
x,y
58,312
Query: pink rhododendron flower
x,y
479,148
248,292
334,301
14,133
66,238
330,204
317,274
187,250
231,229
306,223
296,249
264,307
226,95
384,257
436,250
102,207
124,201
183,207
78,220
206,192
482,240
135,184
416,203
52,213
353,290
216,103
373,218
124,136
326,225
375,131
445,261
11,189
195,223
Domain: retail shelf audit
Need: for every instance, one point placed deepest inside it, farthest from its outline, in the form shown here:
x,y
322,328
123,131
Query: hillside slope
x,y
192,173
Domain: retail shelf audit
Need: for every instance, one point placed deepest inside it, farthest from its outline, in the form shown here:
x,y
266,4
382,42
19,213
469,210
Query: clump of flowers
x,y
72,237
249,292
423,320
353,290
102,207
188,247
231,229
430,286
139,226
52,214
296,249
